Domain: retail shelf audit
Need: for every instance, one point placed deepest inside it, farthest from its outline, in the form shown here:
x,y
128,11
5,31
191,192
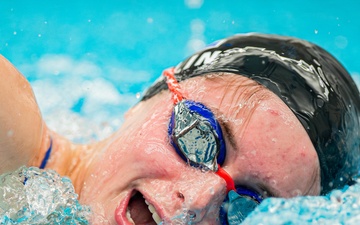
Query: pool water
x,y
89,61
338,207
103,55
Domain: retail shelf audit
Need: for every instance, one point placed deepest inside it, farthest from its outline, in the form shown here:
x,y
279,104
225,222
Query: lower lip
x,y
120,211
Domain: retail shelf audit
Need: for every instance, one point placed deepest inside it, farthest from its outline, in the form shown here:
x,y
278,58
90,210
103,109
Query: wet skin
x,y
268,151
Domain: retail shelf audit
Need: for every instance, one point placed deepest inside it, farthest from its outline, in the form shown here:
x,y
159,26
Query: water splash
x,y
338,207
34,196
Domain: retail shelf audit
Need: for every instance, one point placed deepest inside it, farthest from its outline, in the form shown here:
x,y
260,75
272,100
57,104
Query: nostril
x,y
181,196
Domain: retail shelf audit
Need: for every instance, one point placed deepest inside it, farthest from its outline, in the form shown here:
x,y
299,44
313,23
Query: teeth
x,y
128,216
155,216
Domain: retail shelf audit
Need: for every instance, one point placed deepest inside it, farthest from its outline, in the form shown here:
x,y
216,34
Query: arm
x,y
23,134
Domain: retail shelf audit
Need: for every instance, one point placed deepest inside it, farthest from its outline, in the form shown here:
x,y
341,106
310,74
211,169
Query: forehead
x,y
224,92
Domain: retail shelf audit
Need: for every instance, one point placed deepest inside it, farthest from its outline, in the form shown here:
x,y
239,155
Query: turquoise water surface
x,y
89,61
124,45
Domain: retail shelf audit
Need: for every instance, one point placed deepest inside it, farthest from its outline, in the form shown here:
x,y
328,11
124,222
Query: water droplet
x,y
273,183
316,31
192,215
15,33
204,169
138,95
320,103
150,20
10,133
39,35
197,26
212,191
296,192
194,4
341,42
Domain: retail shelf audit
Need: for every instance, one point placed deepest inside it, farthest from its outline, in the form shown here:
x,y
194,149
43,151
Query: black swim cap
x,y
312,83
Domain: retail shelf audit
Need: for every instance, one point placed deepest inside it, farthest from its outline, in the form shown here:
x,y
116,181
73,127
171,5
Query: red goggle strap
x,y
173,85
230,185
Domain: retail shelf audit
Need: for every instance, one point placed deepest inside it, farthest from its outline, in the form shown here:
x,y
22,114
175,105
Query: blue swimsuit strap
x,y
47,156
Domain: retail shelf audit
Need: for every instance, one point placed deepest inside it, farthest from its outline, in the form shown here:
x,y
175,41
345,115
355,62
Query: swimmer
x,y
249,117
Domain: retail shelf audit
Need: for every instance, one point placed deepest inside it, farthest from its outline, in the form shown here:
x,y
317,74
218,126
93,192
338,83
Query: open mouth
x,y
141,212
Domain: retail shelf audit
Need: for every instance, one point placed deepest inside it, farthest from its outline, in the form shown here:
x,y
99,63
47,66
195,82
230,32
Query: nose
x,y
202,194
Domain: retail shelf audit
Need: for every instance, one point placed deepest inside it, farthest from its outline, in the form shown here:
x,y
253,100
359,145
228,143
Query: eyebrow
x,y
227,131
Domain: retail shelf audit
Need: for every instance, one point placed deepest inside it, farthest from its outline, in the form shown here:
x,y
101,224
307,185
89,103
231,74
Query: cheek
x,y
143,147
276,152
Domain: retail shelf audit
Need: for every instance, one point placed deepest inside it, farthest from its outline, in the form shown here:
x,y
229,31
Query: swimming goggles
x,y
196,136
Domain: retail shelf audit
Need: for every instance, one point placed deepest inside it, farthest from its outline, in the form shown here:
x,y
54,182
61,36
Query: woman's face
x,y
267,151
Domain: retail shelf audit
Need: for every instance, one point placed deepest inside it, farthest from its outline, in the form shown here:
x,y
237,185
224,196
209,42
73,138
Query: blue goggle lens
x,y
196,135
238,205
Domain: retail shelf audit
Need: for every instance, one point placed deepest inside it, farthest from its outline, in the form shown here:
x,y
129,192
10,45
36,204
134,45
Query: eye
x,y
244,191
264,191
